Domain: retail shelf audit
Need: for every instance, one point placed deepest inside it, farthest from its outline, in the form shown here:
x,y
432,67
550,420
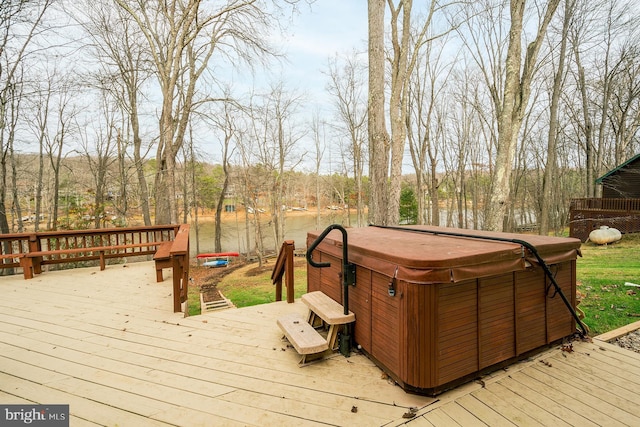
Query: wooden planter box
x,y
460,306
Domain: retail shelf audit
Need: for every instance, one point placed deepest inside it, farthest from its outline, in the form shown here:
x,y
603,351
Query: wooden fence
x,y
586,215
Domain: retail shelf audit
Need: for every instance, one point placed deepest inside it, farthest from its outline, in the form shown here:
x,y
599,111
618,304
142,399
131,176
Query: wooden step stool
x,y
302,334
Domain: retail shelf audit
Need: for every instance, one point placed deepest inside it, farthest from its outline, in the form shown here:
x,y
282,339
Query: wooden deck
x,y
107,344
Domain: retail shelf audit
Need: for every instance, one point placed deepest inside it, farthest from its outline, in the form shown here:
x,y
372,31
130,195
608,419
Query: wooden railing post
x,y
284,267
289,273
180,257
278,284
34,246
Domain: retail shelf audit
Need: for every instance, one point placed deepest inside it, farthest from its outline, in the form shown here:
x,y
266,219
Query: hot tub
x,y
435,310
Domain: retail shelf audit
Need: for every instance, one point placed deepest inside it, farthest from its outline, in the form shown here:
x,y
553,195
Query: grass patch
x,y
193,300
253,286
601,274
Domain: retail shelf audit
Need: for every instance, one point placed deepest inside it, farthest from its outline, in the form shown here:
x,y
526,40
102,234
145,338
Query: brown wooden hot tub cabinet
x,y
459,305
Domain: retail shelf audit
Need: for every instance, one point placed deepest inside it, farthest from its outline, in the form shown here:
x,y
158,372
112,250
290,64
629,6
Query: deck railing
x,y
29,252
623,205
123,240
585,215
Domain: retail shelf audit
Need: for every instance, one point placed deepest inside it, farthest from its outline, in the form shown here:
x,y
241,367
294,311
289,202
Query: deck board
x,y
503,404
538,414
485,413
108,344
462,416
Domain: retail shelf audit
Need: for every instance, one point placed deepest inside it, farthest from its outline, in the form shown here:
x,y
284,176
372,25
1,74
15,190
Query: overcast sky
x,y
319,32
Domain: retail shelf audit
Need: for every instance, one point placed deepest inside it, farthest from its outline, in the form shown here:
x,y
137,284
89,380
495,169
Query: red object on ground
x,y
217,254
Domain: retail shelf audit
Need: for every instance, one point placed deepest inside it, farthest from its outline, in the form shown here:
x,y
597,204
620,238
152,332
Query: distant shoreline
x,y
230,216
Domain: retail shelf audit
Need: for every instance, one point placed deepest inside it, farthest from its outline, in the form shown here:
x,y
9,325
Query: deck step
x,y
219,304
304,338
326,308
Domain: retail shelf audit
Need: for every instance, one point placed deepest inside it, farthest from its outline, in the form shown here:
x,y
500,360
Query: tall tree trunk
x,y
378,137
39,184
512,108
400,72
225,186
549,178
589,187
4,224
138,158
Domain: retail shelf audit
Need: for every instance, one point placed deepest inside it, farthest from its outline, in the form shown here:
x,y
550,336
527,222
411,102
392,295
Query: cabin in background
x,y
622,182
619,206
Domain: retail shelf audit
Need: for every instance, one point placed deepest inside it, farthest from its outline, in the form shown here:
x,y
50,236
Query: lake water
x,y
234,238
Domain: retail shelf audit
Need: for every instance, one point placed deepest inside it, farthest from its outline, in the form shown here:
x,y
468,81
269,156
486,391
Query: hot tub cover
x,y
415,255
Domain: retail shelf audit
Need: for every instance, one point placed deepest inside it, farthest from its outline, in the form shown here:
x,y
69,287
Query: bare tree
x,y
277,134
41,99
119,46
624,114
426,94
550,171
16,93
20,22
598,63
66,112
513,104
225,122
251,181
98,152
349,100
182,38
318,132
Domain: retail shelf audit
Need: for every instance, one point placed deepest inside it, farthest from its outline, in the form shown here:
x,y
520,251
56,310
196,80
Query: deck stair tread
x,y
328,309
304,338
303,334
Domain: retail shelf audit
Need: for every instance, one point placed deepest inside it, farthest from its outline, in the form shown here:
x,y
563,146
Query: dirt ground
x,y
207,278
